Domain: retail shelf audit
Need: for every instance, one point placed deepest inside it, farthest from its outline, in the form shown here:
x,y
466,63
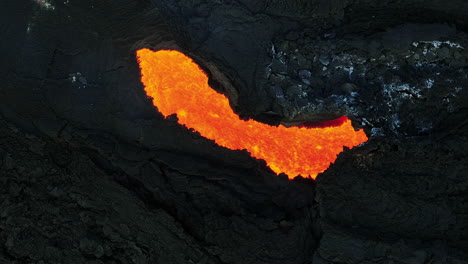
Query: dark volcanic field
x,y
90,171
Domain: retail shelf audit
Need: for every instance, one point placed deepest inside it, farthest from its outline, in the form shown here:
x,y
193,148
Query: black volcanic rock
x,y
392,55
91,172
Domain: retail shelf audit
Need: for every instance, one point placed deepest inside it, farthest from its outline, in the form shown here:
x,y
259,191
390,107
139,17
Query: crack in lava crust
x,y
178,86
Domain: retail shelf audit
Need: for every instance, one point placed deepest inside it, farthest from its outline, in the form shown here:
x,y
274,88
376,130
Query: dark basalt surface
x,y
90,172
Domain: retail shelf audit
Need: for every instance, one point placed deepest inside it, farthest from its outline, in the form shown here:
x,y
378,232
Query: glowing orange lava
x,y
177,85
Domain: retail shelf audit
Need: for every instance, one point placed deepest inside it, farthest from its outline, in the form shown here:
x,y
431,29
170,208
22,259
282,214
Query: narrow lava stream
x,y
178,86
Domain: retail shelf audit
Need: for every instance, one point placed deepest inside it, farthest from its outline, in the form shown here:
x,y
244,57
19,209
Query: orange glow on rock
x,y
178,86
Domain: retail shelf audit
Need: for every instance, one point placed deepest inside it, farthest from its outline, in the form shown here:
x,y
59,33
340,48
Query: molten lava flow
x,y
330,123
177,85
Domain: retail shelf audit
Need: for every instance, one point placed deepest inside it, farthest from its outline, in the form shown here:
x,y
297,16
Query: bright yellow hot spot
x,y
178,85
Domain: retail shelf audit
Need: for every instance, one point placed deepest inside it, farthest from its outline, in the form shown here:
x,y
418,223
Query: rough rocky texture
x,y
91,172
292,61
416,73
58,207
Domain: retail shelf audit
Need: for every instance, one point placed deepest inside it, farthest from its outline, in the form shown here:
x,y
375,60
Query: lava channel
x,y
178,86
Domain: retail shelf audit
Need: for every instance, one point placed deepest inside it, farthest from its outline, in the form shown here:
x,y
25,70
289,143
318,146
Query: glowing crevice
x,y
178,86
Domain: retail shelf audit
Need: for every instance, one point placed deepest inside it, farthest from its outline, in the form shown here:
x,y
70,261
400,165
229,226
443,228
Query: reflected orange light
x,y
178,86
